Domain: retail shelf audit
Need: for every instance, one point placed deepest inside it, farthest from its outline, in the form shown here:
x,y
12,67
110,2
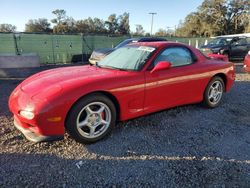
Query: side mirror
x,y
162,65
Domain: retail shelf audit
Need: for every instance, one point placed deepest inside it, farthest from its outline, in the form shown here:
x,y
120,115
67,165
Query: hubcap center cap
x,y
93,119
214,92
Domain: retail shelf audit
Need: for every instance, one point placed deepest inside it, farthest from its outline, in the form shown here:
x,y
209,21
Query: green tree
x,y
139,30
90,25
112,24
63,23
60,16
70,24
247,29
212,15
39,25
7,28
217,17
238,16
161,33
99,26
82,26
123,24
118,25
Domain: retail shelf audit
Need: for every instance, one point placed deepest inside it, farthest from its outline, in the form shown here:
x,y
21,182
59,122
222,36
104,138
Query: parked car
x,y
98,54
246,65
132,81
233,47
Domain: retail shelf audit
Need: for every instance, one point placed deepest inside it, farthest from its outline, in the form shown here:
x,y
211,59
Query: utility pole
x,y
175,30
152,21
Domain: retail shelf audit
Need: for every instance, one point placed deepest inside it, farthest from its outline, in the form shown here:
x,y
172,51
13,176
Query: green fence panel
x,y
53,48
40,44
65,47
7,43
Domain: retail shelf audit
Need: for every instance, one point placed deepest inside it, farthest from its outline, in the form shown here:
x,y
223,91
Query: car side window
x,y
223,42
248,40
241,41
177,56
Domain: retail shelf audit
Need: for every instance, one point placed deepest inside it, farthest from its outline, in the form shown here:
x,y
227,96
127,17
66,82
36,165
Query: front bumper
x,y
38,129
33,136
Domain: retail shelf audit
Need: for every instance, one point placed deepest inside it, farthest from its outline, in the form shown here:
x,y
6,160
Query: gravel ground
x,y
187,146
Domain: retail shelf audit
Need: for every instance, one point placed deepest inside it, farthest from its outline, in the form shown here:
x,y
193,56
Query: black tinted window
x,y
223,42
240,41
123,43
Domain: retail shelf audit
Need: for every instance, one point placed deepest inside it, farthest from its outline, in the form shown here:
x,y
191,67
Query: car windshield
x,y
127,58
123,43
218,41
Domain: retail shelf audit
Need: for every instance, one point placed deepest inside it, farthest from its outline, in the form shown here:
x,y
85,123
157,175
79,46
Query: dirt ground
x,y
188,146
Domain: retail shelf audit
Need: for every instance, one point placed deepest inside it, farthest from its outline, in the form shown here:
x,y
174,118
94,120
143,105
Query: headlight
x,y
248,52
27,114
206,51
216,50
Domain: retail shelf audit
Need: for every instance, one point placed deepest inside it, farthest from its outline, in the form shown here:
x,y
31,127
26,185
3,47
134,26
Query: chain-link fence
x,y
54,49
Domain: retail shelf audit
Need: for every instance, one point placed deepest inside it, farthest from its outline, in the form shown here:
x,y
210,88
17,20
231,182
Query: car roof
x,y
147,39
157,44
236,37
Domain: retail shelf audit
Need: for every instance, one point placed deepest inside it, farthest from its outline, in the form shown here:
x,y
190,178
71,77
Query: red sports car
x,y
246,65
134,80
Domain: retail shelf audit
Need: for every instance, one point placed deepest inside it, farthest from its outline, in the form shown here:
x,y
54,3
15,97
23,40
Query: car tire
x,y
91,118
214,92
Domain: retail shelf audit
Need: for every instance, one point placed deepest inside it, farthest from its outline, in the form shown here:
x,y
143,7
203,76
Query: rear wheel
x,y
91,118
214,92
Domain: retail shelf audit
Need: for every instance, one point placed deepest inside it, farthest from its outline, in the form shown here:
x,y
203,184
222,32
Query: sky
x,y
169,13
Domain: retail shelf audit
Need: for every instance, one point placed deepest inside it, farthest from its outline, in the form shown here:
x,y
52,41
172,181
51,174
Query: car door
x,y
178,85
239,48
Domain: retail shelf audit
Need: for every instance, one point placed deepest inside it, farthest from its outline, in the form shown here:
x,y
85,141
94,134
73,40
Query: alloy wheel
x,y
93,120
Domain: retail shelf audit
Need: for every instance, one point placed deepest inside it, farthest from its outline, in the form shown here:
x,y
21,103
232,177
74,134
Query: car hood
x,y
55,80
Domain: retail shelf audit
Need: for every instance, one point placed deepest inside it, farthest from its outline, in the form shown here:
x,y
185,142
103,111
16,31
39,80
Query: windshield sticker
x,y
146,48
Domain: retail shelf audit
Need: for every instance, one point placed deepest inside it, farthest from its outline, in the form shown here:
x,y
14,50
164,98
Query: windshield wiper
x,y
121,69
111,67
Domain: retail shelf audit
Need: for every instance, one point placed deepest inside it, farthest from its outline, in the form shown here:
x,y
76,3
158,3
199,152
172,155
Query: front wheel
x,y
91,118
214,92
